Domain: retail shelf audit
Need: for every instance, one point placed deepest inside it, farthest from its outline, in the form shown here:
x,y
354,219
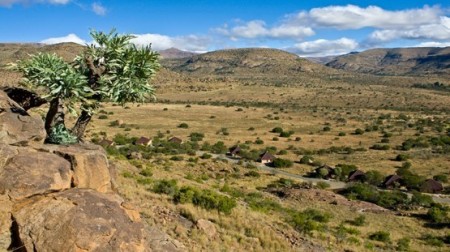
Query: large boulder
x,y
77,220
17,126
31,173
89,164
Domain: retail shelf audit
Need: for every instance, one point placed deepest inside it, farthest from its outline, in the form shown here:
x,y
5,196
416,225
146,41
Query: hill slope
x,y
397,61
174,53
244,62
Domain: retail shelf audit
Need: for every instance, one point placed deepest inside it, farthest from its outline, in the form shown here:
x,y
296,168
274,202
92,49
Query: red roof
x,y
175,140
266,156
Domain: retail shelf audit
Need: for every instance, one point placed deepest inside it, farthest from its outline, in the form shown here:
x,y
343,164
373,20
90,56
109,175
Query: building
x,y
356,175
431,186
392,181
175,140
266,158
144,141
234,151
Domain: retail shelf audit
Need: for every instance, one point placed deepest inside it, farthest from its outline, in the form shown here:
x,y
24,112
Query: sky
x,y
307,28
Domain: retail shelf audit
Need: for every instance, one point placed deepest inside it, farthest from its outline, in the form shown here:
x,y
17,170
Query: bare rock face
x,y
77,220
16,125
207,227
89,164
30,172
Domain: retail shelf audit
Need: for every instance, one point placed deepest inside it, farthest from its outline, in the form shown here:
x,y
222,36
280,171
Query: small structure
x,y
356,175
106,143
144,141
266,158
234,151
330,172
431,186
175,140
391,181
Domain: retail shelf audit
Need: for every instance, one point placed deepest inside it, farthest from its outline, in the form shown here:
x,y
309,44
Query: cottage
x,y
175,140
356,175
391,181
106,143
266,158
234,151
143,141
325,172
431,186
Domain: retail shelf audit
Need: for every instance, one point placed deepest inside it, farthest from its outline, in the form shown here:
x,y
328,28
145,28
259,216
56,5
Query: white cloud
x,y
323,47
162,42
355,17
98,9
258,29
438,31
433,44
69,38
9,3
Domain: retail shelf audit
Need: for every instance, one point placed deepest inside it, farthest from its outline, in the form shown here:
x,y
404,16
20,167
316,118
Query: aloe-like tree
x,y
111,68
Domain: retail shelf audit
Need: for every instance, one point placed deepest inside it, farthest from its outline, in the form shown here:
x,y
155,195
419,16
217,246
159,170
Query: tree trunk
x,y
55,115
80,125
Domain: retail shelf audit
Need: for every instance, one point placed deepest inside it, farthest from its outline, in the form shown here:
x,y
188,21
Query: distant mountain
x,y
321,60
244,62
174,53
397,61
11,52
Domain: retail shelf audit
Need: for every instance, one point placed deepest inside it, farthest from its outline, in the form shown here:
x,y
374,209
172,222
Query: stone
x,y
207,227
5,221
17,126
26,99
89,164
32,173
77,220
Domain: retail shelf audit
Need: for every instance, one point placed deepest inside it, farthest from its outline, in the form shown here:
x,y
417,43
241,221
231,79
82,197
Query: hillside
x,y
397,61
174,53
244,63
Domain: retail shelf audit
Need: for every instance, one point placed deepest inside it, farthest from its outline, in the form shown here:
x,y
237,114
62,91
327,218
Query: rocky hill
x,y
244,62
61,198
174,53
397,61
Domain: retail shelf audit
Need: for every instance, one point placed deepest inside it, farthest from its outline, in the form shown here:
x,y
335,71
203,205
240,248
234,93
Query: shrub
x,y
433,240
309,220
253,173
298,139
420,199
322,185
286,133
403,244
259,141
359,131
381,236
196,136
342,134
164,186
373,177
438,214
282,163
306,159
205,156
441,177
326,128
277,130
380,147
251,129
146,172
219,148
183,126
358,221
176,158
402,157
102,117
206,199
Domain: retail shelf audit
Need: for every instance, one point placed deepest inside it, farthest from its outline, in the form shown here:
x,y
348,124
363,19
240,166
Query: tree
x,y
111,68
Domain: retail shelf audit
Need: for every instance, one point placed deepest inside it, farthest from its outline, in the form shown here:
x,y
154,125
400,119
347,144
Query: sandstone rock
x,y
89,164
16,125
207,227
77,220
30,173
5,221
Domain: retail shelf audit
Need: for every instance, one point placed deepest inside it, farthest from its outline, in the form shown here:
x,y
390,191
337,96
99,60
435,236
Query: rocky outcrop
x,y
17,127
78,220
60,198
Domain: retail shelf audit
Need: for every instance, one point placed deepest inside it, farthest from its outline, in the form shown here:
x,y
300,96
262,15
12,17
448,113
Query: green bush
x,y
206,199
282,163
359,131
380,147
402,157
373,177
381,236
259,141
326,128
164,186
322,185
254,174
205,156
342,134
420,199
183,126
102,117
277,130
196,136
309,220
403,244
358,221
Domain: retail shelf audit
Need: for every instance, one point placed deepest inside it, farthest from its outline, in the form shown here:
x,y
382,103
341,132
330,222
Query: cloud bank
x,y
8,3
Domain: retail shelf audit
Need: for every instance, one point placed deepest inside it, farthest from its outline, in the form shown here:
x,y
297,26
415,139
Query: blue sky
x,y
307,28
